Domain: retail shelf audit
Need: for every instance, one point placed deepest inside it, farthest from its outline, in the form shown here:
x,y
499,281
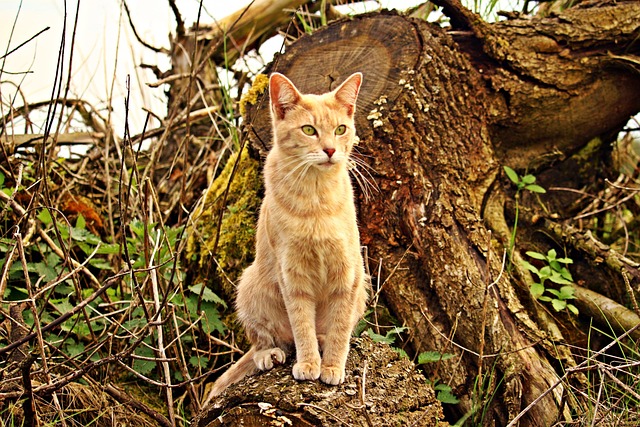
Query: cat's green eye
x,y
309,130
340,130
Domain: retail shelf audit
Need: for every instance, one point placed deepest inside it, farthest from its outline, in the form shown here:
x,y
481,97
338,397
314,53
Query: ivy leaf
x,y
513,176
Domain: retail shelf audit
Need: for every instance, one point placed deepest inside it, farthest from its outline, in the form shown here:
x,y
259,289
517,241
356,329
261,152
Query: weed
x,y
554,270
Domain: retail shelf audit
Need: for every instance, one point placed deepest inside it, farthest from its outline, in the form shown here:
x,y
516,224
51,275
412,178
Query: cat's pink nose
x,y
329,151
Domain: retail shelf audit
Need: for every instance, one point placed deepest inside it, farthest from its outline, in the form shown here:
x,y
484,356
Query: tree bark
x,y
381,389
437,118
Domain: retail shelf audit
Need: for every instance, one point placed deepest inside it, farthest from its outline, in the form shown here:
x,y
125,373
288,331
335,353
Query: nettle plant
x,y
555,271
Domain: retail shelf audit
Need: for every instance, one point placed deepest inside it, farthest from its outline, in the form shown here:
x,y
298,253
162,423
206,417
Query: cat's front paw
x,y
265,359
332,375
306,371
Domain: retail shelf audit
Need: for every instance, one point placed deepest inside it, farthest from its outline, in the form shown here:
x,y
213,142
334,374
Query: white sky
x,y
105,52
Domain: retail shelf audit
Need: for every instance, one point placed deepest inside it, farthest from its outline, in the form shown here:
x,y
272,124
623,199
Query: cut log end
x,y
385,49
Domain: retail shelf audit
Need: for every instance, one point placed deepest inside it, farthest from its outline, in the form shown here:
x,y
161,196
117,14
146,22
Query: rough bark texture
x,y
381,389
438,117
437,126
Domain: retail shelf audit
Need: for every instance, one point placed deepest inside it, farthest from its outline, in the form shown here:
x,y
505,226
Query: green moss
x,y
260,84
237,230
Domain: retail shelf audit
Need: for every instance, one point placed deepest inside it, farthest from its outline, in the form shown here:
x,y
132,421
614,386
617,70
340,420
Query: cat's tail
x,y
242,368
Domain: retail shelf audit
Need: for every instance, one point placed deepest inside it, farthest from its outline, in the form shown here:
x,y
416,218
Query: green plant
x,y
525,182
443,391
554,270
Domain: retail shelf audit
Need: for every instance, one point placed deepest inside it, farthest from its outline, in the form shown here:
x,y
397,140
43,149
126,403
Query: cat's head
x,y
319,130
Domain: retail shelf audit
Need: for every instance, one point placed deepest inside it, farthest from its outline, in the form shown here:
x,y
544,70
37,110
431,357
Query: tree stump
x,y
437,118
381,389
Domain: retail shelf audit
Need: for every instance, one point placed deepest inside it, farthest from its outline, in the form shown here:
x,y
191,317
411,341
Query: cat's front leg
x,y
346,308
301,309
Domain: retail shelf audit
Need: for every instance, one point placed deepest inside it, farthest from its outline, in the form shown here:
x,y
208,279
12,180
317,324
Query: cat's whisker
x,y
295,175
367,183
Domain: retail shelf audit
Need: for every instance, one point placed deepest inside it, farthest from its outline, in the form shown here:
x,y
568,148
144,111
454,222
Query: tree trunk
x,y
438,116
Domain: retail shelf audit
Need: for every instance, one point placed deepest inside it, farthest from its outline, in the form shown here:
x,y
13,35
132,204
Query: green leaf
x,y
551,255
45,217
545,298
447,397
211,321
545,272
565,260
566,274
554,292
62,305
559,305
567,292
79,234
513,176
48,273
397,330
403,354
208,295
530,267
81,223
534,188
433,356
1,179
536,255
572,308
73,349
144,367
557,278
101,264
528,179
537,289
199,361
380,338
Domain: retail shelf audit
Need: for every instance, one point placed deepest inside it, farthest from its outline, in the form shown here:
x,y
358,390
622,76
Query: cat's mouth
x,y
328,163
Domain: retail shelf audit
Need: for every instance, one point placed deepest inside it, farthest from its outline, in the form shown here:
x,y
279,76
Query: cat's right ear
x,y
284,95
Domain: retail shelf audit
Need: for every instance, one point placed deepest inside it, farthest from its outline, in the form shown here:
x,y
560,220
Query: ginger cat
x,y
307,286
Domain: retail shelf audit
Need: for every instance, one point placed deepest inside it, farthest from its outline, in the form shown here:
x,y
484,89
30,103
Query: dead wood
x,y
437,118
381,389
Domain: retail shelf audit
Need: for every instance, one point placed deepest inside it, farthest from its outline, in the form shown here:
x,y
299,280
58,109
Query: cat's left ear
x,y
347,92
